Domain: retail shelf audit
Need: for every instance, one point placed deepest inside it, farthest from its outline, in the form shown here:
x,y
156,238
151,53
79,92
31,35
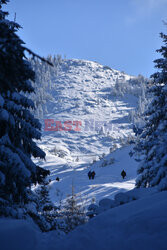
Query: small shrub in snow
x,y
94,161
61,151
112,160
122,198
101,156
92,211
77,159
107,203
107,68
104,205
104,163
111,150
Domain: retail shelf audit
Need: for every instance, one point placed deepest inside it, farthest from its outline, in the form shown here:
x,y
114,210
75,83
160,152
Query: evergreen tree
x,y
44,198
73,214
18,127
153,140
46,208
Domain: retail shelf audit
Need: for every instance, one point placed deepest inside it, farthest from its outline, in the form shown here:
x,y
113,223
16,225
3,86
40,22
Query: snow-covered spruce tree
x,y
153,140
18,127
45,207
72,214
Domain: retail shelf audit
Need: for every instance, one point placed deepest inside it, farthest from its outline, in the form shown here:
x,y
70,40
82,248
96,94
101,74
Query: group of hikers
x,y
91,174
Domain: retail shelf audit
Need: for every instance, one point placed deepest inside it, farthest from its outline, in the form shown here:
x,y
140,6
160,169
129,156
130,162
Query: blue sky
x,y
122,34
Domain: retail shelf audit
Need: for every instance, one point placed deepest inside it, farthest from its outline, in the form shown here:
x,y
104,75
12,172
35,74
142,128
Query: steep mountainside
x,y
91,101
87,111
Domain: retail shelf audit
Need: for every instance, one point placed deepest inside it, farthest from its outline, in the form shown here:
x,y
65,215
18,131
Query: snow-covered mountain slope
x,y
95,100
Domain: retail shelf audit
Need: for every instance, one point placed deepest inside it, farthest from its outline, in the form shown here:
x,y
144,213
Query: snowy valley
x,y
83,146
90,114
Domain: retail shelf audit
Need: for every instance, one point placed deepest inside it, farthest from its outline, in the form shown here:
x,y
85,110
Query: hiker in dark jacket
x,y
93,174
123,173
89,174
